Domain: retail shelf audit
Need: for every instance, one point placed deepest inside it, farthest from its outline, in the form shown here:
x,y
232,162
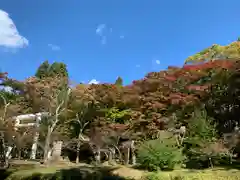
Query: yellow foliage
x,y
215,52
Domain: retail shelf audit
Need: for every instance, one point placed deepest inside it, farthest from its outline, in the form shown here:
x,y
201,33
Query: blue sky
x,y
103,39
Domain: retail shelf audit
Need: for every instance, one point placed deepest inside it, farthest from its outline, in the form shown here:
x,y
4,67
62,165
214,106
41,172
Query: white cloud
x,y
93,81
100,29
9,35
157,62
54,47
100,32
137,66
103,31
104,40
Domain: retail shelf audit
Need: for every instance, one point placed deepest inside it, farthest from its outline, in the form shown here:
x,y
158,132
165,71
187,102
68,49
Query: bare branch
x,y
59,110
5,107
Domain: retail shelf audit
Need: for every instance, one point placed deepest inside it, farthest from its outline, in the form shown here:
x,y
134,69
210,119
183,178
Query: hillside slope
x,y
215,52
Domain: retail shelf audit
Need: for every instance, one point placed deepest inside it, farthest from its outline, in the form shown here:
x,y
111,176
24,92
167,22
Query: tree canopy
x,y
161,101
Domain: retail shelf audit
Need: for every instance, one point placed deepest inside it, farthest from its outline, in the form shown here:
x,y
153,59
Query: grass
x,y
121,173
67,172
210,174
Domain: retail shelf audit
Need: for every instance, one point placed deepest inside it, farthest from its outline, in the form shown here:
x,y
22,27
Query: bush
x,y
159,155
156,176
201,147
201,127
151,176
208,155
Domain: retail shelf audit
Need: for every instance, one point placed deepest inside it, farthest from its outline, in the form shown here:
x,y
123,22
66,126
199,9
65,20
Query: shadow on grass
x,y
233,165
139,167
81,173
5,173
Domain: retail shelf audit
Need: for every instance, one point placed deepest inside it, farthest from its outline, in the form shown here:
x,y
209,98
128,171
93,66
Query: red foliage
x,y
197,87
171,78
118,127
209,65
152,96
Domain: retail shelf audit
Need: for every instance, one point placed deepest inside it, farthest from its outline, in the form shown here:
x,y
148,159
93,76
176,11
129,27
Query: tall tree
x,y
58,69
119,81
51,70
61,99
43,70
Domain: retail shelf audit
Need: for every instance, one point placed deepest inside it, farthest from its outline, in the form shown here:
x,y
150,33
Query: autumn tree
x,y
60,104
223,99
22,140
81,113
48,94
176,90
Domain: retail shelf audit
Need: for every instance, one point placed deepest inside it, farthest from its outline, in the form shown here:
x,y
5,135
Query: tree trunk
x,y
133,158
126,156
8,153
78,152
49,154
47,144
111,156
98,156
34,146
133,153
19,154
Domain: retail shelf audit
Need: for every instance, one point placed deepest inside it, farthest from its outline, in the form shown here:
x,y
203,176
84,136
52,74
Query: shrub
x,y
159,154
151,176
156,176
208,155
201,127
201,146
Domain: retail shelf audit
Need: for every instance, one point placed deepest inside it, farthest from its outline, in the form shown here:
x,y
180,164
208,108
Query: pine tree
x,y
51,70
58,68
43,70
119,81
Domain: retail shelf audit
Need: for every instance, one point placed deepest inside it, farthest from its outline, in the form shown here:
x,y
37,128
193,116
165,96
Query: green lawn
x,y
215,174
95,173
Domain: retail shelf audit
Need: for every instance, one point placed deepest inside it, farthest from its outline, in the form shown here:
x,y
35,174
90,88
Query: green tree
x,y
201,127
58,68
119,81
202,147
118,116
51,70
215,52
43,70
159,154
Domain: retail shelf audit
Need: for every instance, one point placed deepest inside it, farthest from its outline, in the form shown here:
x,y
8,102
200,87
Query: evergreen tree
x,y
119,81
43,70
58,68
51,70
